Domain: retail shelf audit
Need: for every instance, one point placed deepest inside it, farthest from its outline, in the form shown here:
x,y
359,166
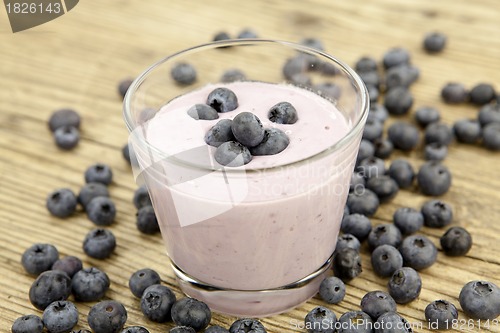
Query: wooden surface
x,y
77,60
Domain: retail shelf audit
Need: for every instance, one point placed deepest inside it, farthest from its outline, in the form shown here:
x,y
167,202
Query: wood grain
x,y
77,60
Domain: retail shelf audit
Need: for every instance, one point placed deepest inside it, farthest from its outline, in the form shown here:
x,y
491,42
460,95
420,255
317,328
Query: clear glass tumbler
x,y
258,239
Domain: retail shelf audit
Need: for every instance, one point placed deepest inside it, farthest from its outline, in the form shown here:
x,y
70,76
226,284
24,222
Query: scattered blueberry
x,y
124,85
403,135
480,300
405,285
48,287
357,183
385,260
489,113
62,202
222,35
274,142
247,325
320,320
142,279
373,129
385,233
370,78
181,329
384,187
434,178
202,111
357,225
107,317
383,148
135,329
141,197
418,252
426,115
332,290
60,317
191,312
219,133
454,93
441,314
435,151
396,56
101,211
437,213
347,241
377,302
67,137
90,191
64,117
282,113
434,42
233,75
366,64
378,111
216,329
39,258
89,284
373,94
329,90
69,264
438,132
355,322
391,322
408,220
456,241
371,167
347,264
363,202
99,243
402,172
232,154
366,150
491,136
467,130
295,66
146,221
222,100
183,73
157,302
126,153
28,324
482,93
401,76
99,173
247,33
313,42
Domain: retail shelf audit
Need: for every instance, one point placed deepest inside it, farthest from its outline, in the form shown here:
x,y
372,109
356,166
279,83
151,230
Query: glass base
x,y
253,303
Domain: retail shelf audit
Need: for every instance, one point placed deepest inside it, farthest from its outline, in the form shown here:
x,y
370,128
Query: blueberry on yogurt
x,y
202,111
232,154
283,113
222,100
247,129
274,142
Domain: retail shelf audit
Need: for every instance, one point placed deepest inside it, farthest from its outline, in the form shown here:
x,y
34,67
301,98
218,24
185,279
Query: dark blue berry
x,y
183,73
202,111
107,317
347,241
403,135
405,285
313,42
439,133
247,325
39,258
141,197
89,284
366,64
437,213
363,202
467,130
454,93
371,167
491,136
396,56
60,317
426,115
482,93
142,279
408,220
146,221
61,202
401,76
386,233
101,211
480,300
434,178
357,183
232,154
222,35
135,329
91,190
99,243
67,137
157,302
48,287
373,94
488,114
355,322
378,111
434,42
123,86
320,320
64,117
247,33
418,252
383,148
373,129
371,78
247,129
456,241
332,290
216,329
295,66
219,133
222,100
99,173
69,264
384,187
274,142
191,312
385,260
233,75
377,302
402,172
126,152
357,225
27,324
328,90
441,314
347,264
392,322
435,151
181,329
366,150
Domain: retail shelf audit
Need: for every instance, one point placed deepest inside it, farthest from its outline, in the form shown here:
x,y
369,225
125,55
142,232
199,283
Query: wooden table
x,y
77,60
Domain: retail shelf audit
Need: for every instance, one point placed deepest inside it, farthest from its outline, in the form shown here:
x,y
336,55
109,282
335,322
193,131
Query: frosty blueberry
x,y
202,111
283,113
191,312
107,317
274,142
418,252
232,154
183,73
89,284
142,279
157,302
61,202
219,133
332,290
39,258
222,100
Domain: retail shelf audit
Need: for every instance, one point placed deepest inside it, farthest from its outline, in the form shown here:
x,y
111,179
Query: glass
x,y
248,241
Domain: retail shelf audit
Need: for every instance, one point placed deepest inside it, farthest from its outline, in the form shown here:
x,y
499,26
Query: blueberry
x,y
435,151
403,135
64,117
27,324
146,221
219,133
396,56
454,93
91,190
347,241
216,329
482,93
181,329
101,211
135,329
66,137
366,150
126,152
402,172
385,260
366,64
332,290
434,178
48,287
327,68
60,317
434,42
202,111
222,100
480,300
373,94
391,322
141,197
328,90
89,284
378,111
247,325
439,133
385,233
282,113
347,264
39,258
363,202
384,187
401,76
157,302
405,285
183,73
99,243
441,314
123,86
142,279
370,78
62,202
357,225
247,33
222,35
491,136
232,154
418,252
313,42
383,148
488,114
437,213
456,241
426,115
69,264
371,167
99,173
467,130
274,142
295,66
355,322
408,220
373,129
377,302
357,183
191,312
320,320
107,317
233,75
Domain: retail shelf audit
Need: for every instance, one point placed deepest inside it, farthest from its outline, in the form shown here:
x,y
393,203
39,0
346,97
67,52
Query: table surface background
x,y
77,60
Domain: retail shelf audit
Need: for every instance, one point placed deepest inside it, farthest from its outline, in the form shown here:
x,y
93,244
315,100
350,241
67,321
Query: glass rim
x,y
352,75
